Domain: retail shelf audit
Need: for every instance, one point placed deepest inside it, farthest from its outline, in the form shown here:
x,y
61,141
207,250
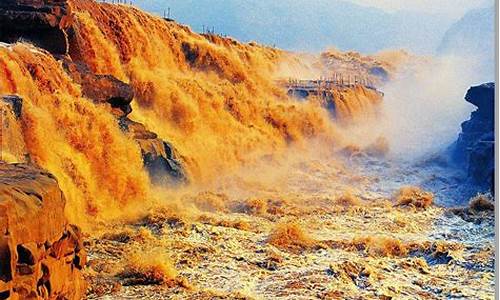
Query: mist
x,y
424,107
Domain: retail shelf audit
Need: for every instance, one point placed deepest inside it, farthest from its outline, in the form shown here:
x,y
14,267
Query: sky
x,y
453,8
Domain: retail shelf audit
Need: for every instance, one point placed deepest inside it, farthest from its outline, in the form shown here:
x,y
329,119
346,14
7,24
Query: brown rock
x,y
42,22
101,88
159,156
41,256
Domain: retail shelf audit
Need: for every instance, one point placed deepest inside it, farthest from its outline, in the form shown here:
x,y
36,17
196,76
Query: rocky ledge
x,y
43,22
41,255
474,150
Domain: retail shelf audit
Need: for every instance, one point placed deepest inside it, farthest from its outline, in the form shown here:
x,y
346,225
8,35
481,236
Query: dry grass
x,y
413,196
290,236
151,267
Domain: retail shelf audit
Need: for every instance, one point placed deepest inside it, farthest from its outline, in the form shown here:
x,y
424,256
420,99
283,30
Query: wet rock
x,y
41,256
101,88
159,156
474,150
41,22
12,146
15,103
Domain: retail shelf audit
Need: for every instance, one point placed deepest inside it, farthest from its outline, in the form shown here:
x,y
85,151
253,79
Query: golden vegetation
x,y
414,197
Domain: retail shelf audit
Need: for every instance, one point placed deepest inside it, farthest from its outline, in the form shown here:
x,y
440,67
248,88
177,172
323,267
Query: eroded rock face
x,y
159,156
42,22
101,88
41,256
475,148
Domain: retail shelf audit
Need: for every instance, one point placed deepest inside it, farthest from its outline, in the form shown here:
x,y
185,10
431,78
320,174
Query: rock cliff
x,y
41,255
475,148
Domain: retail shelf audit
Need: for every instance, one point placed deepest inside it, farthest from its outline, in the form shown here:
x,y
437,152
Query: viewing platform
x,y
302,88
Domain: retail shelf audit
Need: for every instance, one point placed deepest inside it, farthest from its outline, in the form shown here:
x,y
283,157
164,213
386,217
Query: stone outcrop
x,y
41,255
101,88
475,148
159,156
42,22
12,146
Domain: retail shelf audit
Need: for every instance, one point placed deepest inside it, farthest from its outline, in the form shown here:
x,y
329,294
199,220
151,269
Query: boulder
x,y
12,146
474,150
41,255
42,22
101,88
159,156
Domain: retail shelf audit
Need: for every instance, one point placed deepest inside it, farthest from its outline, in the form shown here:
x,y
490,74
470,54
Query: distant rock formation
x,y
41,255
475,148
